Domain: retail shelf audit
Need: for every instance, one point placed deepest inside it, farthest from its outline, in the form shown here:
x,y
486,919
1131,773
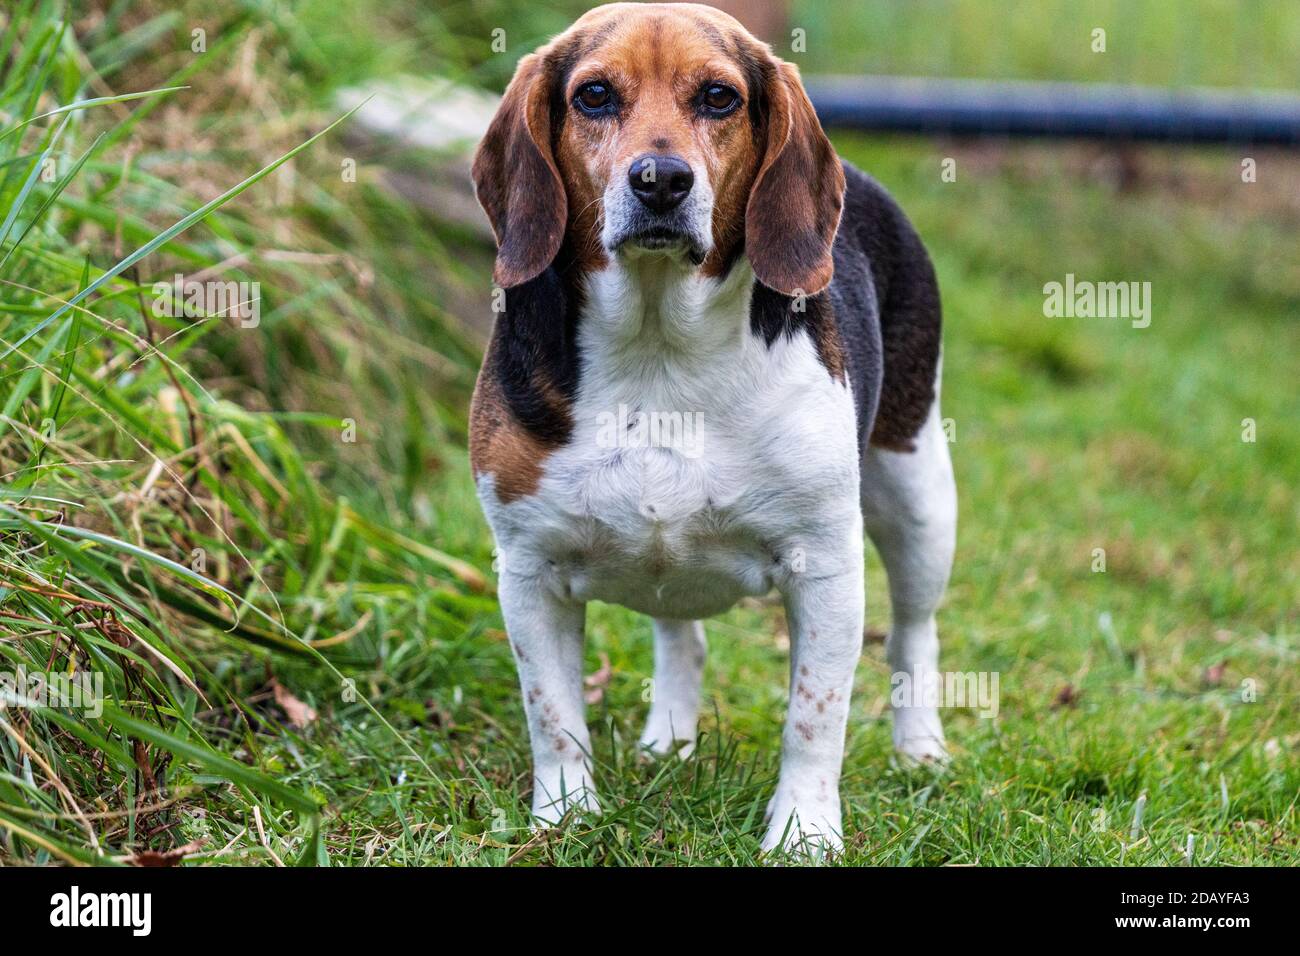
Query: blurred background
x,y
265,539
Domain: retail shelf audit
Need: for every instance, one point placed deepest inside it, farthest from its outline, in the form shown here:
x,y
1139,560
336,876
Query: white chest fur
x,y
703,465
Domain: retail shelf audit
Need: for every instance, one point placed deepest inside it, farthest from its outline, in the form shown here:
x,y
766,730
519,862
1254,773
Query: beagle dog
x,y
716,365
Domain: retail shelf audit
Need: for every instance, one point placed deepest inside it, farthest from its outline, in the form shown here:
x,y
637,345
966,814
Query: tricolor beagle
x,y
718,360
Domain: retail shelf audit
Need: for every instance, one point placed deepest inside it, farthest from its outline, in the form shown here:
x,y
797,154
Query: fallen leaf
x,y
435,715
166,857
142,763
1067,696
597,682
299,714
1213,675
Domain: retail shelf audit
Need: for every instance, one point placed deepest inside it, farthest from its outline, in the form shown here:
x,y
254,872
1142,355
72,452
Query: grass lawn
x,y
1117,686
266,542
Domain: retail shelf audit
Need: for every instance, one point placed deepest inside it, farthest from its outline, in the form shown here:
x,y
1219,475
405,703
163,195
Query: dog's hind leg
x,y
675,702
909,505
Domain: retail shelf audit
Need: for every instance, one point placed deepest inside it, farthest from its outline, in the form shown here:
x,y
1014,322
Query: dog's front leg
x,y
825,617
546,635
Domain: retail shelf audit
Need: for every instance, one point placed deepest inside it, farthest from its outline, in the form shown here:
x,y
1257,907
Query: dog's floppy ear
x,y
798,195
516,180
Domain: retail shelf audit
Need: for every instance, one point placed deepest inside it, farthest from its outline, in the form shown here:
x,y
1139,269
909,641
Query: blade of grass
x,y
90,104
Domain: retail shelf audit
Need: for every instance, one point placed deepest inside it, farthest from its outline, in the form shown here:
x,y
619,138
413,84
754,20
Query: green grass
x,y
355,576
1245,43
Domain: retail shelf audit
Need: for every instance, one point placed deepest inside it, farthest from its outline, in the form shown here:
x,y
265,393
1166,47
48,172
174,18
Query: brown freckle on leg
x,y
821,706
803,670
548,719
803,691
533,694
805,730
560,743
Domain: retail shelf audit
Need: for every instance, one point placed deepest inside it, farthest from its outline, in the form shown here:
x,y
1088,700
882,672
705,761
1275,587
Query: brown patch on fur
x,y
830,351
502,447
585,206
733,182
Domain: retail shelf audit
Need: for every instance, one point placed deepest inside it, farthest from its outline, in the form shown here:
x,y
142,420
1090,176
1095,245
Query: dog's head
x,y
660,129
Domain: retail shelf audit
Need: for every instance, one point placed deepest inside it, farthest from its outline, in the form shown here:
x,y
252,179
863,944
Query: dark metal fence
x,y
1055,110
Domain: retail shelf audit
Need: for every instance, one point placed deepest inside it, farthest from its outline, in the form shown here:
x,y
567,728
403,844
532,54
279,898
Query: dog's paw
x,y
921,752
649,753
659,739
556,794
810,832
918,737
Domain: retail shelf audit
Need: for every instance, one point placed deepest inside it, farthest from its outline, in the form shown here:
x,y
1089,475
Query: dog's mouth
x,y
662,239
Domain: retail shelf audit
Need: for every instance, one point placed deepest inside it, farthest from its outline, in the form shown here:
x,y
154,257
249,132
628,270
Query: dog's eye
x,y
718,100
594,99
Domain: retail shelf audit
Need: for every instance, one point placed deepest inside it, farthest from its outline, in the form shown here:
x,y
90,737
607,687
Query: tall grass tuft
x,y
167,542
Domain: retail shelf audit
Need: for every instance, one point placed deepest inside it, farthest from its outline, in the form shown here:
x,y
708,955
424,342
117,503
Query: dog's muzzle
x,y
660,206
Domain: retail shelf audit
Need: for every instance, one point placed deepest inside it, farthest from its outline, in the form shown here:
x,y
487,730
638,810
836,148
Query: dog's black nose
x,y
660,182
